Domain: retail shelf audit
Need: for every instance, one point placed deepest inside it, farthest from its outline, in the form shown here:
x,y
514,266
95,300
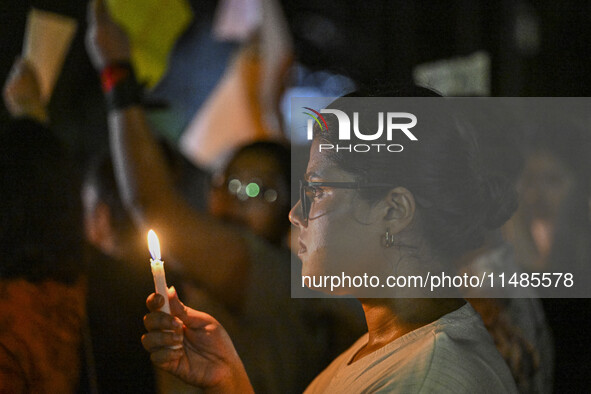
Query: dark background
x,y
369,41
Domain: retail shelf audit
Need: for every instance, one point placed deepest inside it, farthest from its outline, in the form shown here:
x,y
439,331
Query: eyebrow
x,y
309,175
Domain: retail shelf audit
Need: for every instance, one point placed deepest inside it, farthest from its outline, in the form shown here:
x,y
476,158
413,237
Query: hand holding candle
x,y
158,269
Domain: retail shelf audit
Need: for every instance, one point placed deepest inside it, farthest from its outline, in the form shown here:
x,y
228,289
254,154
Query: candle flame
x,y
154,245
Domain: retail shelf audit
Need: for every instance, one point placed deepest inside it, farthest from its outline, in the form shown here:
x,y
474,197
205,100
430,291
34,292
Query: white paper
x,y
460,76
47,39
237,19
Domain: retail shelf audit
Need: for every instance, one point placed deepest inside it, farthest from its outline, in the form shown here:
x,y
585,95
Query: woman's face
x,y
341,233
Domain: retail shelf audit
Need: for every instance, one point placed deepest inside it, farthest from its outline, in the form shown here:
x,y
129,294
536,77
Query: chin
x,y
307,267
310,265
315,265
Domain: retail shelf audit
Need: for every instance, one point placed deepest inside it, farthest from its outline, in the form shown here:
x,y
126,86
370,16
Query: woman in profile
x,y
376,213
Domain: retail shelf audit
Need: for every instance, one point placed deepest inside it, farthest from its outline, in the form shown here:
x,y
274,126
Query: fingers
x,y
165,356
22,93
158,321
154,302
190,317
177,308
21,69
164,330
157,340
164,347
162,321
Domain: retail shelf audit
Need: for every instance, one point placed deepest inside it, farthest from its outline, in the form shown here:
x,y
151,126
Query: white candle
x,y
158,269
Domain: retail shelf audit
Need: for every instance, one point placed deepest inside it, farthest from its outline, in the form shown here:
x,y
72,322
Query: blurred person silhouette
x,y
42,300
551,232
515,318
551,229
383,214
233,258
119,272
118,275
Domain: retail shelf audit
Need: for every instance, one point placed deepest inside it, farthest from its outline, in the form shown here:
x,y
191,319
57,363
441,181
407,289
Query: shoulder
x,y
454,354
339,366
464,358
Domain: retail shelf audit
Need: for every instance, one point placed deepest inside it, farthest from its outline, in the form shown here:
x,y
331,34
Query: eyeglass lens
x,y
304,201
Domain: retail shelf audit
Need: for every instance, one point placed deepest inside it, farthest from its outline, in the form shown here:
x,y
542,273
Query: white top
x,y
454,354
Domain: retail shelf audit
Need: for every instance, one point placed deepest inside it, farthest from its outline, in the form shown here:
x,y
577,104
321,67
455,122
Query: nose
x,y
296,216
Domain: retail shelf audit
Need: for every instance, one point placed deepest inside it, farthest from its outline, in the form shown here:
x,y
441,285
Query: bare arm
x,y
210,251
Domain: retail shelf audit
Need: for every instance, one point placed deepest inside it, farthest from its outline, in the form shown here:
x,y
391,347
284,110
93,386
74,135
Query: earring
x,y
388,239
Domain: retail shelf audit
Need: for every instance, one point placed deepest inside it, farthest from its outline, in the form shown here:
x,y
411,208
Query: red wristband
x,y
120,86
113,74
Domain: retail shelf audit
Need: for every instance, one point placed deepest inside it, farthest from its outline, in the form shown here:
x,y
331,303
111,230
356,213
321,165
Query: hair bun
x,y
500,200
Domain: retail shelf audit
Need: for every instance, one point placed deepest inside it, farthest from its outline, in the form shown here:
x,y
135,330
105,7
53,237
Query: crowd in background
x,y
74,272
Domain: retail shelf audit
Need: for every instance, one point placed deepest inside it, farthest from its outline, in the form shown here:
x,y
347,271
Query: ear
x,y
399,209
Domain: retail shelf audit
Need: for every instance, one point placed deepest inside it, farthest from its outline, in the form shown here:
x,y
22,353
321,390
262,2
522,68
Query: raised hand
x,y
106,42
22,94
193,346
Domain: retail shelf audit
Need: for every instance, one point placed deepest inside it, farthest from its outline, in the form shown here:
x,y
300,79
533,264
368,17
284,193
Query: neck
x,y
390,319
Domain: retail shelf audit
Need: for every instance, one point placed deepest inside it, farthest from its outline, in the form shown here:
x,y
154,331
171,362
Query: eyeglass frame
x,y
226,180
346,185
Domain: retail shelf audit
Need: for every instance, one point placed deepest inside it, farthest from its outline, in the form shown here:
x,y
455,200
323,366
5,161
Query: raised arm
x,y
209,251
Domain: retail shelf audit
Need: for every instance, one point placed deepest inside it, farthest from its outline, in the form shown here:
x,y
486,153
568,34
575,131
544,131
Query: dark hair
x,y
441,168
278,151
41,219
280,154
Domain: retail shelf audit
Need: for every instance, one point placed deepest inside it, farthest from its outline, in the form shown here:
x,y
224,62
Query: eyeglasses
x,y
245,191
307,193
